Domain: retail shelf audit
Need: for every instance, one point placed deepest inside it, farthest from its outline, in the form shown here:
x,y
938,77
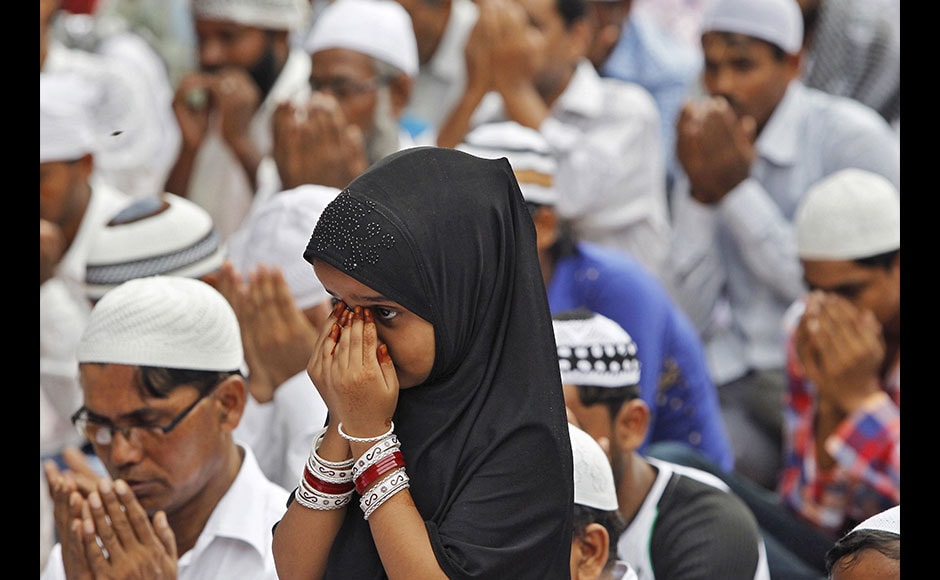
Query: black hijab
x,y
448,236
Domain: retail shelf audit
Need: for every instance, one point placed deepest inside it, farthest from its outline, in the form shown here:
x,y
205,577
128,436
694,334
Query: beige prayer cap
x,y
778,22
163,321
270,14
594,350
527,151
593,476
66,117
848,215
277,233
381,29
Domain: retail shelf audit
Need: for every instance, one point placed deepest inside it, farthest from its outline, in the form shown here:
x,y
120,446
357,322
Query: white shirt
x,y
218,182
236,541
606,136
734,265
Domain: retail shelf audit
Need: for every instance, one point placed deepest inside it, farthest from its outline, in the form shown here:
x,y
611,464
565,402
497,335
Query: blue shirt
x,y
685,407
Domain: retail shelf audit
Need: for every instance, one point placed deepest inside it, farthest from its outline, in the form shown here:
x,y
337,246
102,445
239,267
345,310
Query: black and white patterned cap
x,y
593,350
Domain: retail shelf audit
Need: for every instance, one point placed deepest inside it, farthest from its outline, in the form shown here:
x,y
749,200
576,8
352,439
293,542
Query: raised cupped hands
x,y
354,372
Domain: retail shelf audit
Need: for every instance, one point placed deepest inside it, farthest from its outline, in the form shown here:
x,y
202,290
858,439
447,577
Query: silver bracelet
x,y
350,438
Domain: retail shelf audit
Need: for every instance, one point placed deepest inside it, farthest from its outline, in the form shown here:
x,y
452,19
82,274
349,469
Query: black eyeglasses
x,y
102,433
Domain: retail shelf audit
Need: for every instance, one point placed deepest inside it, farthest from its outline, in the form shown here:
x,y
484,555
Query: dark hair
x,y
884,261
612,521
159,382
846,550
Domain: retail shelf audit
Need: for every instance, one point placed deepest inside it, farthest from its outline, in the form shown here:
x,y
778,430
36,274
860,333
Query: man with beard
x,y
246,67
749,151
363,62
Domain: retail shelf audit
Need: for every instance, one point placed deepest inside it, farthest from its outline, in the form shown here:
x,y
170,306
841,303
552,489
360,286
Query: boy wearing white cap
x,y
159,363
247,66
749,152
597,521
680,520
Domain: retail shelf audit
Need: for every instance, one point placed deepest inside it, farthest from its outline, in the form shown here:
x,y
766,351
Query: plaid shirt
x,y
866,447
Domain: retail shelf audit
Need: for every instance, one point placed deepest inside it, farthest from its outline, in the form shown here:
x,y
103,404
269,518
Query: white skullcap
x,y
593,350
593,475
848,215
277,235
167,235
381,29
269,14
778,22
886,521
163,321
67,130
527,151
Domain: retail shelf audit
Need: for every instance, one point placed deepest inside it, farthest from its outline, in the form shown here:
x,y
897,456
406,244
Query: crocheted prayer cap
x,y
276,234
381,29
163,321
527,151
848,215
167,235
886,521
778,22
593,350
271,14
593,476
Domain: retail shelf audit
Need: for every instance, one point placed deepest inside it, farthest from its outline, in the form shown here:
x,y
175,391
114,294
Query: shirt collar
x,y
584,94
779,141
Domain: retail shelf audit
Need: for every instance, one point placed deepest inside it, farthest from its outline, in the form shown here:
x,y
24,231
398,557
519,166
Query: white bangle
x,y
382,491
352,439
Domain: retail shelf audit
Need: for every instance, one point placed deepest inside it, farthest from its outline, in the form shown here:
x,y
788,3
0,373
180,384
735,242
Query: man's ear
x,y
232,395
593,550
631,424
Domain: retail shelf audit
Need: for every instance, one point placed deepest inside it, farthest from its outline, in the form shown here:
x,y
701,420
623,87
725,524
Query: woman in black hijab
x,y
442,337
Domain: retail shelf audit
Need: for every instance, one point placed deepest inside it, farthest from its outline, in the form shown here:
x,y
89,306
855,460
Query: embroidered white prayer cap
x,y
886,521
778,22
848,215
381,29
593,476
593,350
163,321
159,235
277,234
67,129
270,14
527,151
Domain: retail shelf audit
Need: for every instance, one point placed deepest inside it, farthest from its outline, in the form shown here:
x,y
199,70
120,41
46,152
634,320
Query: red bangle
x,y
325,486
378,469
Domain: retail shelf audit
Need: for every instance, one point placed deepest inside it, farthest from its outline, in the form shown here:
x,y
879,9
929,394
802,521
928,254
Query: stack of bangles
x,y
329,485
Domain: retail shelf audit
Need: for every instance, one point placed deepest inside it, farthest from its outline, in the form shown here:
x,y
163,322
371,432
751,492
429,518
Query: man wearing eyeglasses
x,y
162,393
